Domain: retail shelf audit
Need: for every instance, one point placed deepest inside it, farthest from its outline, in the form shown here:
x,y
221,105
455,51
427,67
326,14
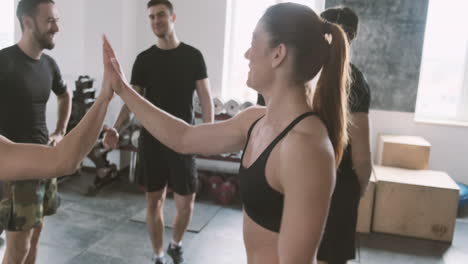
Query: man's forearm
x,y
64,111
206,100
363,171
125,112
207,107
123,117
208,112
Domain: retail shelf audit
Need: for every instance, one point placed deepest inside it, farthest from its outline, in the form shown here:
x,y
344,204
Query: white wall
x,y
449,151
201,23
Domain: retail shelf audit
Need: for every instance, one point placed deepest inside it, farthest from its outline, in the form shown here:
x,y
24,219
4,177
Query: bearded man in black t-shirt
x,y
27,76
168,74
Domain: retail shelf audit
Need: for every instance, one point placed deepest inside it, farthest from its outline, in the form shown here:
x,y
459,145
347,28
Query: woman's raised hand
x,y
113,73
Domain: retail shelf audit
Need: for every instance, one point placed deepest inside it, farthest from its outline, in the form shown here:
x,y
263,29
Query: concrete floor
x,y
97,230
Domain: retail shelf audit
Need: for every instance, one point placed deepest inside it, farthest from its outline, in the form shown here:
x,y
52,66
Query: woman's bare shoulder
x,y
4,142
307,149
246,118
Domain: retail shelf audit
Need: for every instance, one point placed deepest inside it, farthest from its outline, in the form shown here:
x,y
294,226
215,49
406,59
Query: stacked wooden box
x,y
409,199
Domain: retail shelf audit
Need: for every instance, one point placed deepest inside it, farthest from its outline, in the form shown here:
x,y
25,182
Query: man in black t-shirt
x,y
338,240
167,74
27,76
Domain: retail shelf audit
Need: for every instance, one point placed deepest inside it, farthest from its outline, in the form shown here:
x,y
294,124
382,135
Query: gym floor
x,y
98,230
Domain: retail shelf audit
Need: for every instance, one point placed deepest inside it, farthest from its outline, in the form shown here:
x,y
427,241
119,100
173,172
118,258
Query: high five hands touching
x,y
114,79
106,91
112,70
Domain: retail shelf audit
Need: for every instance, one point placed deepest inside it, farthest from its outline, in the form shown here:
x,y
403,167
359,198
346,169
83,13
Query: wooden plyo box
x,y
366,208
408,152
421,204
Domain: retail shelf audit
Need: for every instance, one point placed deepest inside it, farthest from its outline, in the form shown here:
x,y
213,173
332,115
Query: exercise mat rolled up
x,y
218,106
134,137
232,107
246,105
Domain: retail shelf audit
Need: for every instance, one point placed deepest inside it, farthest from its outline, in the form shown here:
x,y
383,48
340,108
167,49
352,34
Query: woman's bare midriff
x,y
261,244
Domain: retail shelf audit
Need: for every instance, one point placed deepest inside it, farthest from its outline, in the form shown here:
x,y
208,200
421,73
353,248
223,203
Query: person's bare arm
x,y
175,133
111,137
124,114
29,161
64,102
206,139
360,146
206,100
307,173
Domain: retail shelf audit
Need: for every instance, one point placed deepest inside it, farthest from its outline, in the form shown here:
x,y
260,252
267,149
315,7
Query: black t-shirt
x,y
261,100
358,102
169,78
359,96
25,85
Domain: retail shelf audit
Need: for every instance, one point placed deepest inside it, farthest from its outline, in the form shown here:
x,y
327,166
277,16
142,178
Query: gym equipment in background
x,y
83,99
106,171
463,200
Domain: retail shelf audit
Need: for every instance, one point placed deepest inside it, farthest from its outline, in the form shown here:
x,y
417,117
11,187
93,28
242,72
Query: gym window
x,y
443,82
241,21
7,23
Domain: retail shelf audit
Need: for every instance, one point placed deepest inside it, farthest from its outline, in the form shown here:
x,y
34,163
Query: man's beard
x,y
42,39
161,34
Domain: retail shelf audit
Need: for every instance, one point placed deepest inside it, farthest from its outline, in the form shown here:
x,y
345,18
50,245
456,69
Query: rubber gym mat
x,y
202,215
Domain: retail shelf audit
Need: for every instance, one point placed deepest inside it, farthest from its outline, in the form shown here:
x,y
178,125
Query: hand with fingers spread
x,y
112,70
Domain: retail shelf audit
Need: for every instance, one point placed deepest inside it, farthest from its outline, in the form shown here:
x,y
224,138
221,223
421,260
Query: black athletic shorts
x,y
158,167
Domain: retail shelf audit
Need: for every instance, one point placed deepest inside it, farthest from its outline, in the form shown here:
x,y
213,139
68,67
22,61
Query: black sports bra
x,y
262,203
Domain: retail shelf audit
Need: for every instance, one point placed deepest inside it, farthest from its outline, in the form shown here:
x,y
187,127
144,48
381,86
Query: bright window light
x,y
243,17
443,82
7,25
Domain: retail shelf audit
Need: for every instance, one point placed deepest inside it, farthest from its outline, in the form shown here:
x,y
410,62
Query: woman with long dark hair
x,y
291,147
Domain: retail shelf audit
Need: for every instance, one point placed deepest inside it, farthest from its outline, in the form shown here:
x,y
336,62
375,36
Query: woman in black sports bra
x,y
291,148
